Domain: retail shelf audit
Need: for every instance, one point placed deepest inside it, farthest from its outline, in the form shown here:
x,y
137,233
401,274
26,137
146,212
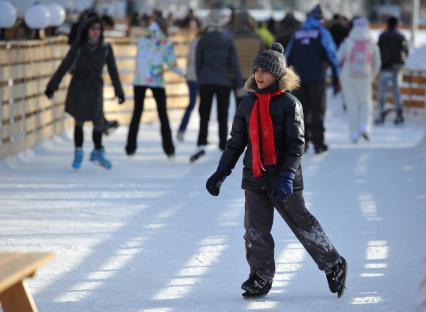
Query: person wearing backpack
x,y
360,59
393,50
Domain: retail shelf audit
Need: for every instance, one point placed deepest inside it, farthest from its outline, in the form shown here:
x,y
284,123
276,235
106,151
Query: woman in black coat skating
x,y
84,101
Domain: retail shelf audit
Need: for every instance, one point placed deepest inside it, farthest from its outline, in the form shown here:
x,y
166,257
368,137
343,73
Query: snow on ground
x,y
417,59
146,236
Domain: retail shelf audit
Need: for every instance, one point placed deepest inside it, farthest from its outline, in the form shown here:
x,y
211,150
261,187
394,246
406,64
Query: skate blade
x,y
197,155
98,163
248,295
341,291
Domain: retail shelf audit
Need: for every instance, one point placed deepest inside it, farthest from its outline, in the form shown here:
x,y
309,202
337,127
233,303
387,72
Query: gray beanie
x,y
271,60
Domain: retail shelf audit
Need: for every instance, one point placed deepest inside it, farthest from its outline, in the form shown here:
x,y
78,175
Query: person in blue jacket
x,y
310,50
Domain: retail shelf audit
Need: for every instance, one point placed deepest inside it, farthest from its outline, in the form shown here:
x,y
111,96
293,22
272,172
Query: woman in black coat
x,y
84,101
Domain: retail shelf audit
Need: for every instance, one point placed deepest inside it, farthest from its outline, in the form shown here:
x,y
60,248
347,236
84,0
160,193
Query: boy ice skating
x,y
269,122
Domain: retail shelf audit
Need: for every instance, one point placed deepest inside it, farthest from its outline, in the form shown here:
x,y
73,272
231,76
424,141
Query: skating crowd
x,y
279,79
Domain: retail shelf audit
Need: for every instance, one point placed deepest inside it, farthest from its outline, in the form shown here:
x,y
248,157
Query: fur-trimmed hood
x,y
289,82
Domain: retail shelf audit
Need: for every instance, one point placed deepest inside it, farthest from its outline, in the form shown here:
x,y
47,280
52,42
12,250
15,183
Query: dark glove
x,y
121,99
49,93
336,86
215,181
283,188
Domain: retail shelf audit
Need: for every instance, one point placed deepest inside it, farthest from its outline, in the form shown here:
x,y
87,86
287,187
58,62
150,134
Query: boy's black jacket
x,y
287,118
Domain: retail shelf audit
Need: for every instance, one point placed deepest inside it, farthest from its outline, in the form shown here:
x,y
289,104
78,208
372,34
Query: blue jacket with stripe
x,y
310,49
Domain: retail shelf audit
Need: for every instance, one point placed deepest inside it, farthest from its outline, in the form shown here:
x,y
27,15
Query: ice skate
x,y
98,155
336,277
78,158
201,151
110,126
399,119
256,286
380,119
321,149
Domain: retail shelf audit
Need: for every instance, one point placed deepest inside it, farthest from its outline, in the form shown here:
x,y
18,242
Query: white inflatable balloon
x,y
57,14
8,14
37,16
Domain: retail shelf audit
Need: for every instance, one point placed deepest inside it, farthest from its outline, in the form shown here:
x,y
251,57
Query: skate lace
x,y
259,283
337,275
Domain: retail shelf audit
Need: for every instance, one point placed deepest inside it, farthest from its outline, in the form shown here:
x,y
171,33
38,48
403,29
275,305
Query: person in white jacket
x,y
155,54
359,57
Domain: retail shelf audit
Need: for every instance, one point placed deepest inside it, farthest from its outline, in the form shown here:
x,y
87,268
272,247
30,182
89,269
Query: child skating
x,y
269,123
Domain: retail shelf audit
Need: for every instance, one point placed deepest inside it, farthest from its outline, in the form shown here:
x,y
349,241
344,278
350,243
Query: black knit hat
x,y
271,60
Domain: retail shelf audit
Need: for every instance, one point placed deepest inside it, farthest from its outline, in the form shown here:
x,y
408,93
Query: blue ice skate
x,y
98,155
78,158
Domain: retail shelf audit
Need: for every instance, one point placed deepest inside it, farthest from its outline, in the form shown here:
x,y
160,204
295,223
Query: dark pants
x,y
206,99
98,127
312,97
259,216
160,99
193,92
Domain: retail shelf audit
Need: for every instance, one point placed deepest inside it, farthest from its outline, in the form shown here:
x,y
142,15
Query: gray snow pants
x,y
258,219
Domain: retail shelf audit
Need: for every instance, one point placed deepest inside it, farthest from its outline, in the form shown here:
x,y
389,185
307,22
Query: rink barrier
x,y
412,89
27,117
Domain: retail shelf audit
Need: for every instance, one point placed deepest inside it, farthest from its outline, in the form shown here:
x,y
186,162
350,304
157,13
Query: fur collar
x,y
289,82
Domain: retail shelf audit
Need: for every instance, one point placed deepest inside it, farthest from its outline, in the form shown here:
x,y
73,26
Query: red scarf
x,y
260,112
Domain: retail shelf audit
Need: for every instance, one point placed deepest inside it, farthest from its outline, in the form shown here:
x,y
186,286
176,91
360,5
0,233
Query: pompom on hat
x,y
271,60
216,19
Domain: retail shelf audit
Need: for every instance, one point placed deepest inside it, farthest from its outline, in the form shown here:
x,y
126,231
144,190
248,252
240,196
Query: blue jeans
x,y
385,77
193,92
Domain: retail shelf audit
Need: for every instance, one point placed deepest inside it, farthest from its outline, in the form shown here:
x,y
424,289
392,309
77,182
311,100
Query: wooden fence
x,y
412,90
26,115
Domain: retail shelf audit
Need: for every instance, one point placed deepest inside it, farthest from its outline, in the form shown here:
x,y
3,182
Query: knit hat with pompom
x,y
271,60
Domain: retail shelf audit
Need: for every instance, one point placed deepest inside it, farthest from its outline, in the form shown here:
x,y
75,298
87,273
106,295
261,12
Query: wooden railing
x,y
26,115
412,90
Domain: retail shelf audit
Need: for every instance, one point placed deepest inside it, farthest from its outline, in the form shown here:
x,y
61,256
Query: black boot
x,y
381,119
399,119
336,277
321,148
256,286
109,126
